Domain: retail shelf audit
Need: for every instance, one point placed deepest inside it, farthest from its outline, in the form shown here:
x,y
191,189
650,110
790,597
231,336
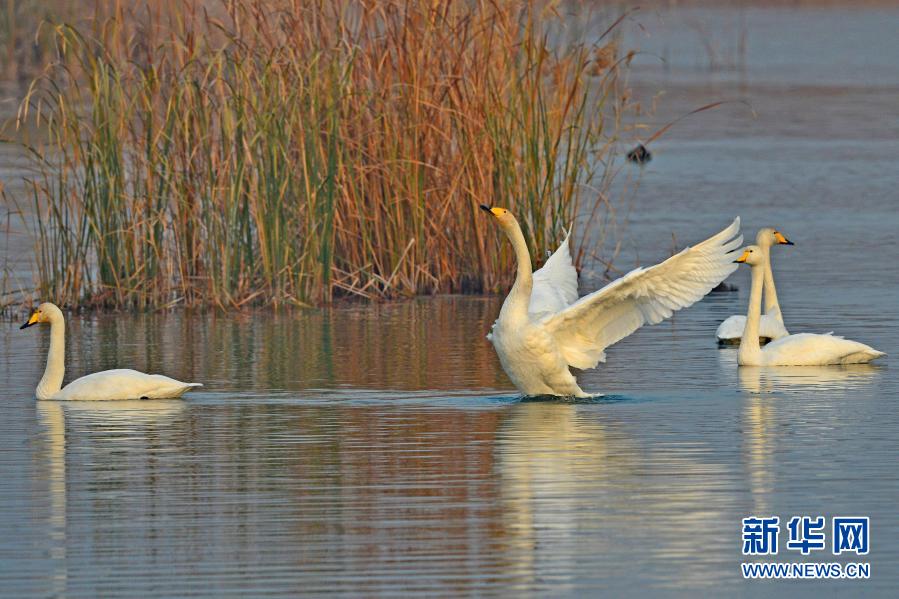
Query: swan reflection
x,y
86,416
568,471
771,379
764,409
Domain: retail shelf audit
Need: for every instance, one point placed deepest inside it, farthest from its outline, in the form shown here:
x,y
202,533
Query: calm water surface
x,y
380,449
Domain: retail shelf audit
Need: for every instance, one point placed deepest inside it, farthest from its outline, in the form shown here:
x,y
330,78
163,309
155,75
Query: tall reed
x,y
290,152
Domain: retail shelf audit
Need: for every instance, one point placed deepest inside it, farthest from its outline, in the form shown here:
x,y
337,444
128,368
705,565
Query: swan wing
x,y
555,285
812,349
123,383
583,330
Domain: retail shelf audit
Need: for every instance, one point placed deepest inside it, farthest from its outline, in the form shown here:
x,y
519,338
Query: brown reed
x,y
291,152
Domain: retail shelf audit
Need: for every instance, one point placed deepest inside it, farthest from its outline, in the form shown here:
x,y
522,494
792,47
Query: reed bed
x,y
290,152
24,49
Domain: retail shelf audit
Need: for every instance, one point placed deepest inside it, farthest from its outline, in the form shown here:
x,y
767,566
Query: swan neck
x,y
520,296
749,342
772,306
51,382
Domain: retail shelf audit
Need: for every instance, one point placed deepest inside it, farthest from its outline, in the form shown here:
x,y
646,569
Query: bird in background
x,y
801,349
771,325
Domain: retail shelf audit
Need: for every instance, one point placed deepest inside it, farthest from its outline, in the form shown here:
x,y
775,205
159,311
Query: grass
x,y
255,152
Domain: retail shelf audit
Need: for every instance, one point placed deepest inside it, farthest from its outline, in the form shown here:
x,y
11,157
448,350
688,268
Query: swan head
x,y
504,218
752,255
46,312
768,236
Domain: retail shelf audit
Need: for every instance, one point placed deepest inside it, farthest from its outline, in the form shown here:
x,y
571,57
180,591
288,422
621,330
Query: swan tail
x,y
175,393
863,357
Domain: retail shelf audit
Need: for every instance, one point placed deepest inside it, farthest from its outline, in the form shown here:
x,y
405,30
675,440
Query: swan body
x,y
122,383
110,384
771,324
731,329
803,349
543,329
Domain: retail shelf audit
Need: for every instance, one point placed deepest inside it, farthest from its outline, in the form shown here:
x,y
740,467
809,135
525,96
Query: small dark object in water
x,y
724,288
639,155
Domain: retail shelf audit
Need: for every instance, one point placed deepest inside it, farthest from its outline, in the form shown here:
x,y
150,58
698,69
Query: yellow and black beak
x,y
781,239
493,211
34,319
743,258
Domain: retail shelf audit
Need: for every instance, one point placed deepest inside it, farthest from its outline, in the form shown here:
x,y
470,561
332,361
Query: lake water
x,y
380,450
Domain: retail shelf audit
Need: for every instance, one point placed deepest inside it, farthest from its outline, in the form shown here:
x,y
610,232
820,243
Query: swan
x,y
109,384
802,349
771,325
543,329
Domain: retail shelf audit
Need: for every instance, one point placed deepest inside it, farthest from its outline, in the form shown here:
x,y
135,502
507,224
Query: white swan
x,y
543,328
771,325
803,349
109,384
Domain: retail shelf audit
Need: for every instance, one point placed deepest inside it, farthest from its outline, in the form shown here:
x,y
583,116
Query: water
x,y
380,449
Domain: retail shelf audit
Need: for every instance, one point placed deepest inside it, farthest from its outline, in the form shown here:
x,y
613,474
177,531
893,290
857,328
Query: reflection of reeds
x,y
285,153
388,346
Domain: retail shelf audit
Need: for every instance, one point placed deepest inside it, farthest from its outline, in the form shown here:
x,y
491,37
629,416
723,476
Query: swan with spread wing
x,y
543,329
